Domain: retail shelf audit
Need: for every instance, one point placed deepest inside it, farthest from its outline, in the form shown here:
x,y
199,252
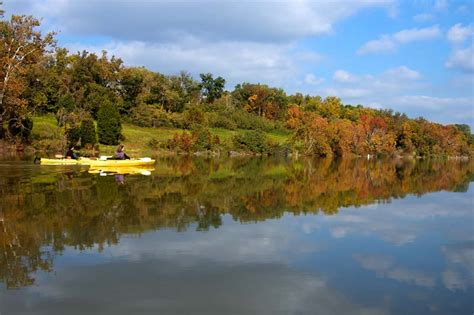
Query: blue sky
x,y
412,56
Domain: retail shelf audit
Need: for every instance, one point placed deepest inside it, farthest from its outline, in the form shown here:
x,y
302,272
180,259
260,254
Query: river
x,y
238,236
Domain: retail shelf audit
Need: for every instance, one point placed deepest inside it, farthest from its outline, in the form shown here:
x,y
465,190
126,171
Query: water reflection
x,y
286,264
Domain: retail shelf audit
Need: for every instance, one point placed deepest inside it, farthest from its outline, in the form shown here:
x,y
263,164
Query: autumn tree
x,y
315,134
294,117
260,99
21,46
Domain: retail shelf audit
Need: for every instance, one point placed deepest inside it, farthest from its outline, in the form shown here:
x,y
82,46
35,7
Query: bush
x,y
21,129
108,124
73,134
153,144
245,120
88,133
177,120
150,116
194,116
220,120
183,142
253,141
202,138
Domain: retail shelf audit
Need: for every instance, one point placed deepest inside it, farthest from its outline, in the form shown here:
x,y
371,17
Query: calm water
x,y
239,236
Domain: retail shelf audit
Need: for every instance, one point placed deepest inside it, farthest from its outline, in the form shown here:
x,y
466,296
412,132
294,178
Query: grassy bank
x,y
47,136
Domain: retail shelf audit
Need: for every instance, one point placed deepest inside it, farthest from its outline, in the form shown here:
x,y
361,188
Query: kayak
x,y
99,162
58,162
117,163
110,170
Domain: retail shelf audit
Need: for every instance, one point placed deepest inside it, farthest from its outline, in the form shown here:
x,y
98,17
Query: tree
x,y
88,133
108,124
131,84
262,100
20,47
315,134
211,88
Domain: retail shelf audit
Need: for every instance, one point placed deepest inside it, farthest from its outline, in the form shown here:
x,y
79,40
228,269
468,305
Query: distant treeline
x,y
38,77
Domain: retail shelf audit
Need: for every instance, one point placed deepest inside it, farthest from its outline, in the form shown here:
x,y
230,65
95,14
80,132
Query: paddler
x,y
120,154
70,154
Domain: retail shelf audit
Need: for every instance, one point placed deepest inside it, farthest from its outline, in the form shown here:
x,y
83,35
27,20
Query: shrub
x,y
153,144
73,134
253,141
194,116
108,124
177,120
150,116
21,129
202,138
249,121
88,133
219,120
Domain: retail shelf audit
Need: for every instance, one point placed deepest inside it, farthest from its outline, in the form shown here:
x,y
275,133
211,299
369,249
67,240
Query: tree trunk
x,y
2,94
2,111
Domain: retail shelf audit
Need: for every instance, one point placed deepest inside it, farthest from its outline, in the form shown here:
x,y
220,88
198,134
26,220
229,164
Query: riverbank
x,y
48,138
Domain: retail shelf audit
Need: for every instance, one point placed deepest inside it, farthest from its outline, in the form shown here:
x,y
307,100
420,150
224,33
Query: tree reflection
x,y
42,215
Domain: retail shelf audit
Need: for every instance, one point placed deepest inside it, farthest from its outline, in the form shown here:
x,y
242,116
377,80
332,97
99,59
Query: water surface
x,y
239,236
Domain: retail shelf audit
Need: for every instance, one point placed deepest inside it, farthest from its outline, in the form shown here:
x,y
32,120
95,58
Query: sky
x,y
415,57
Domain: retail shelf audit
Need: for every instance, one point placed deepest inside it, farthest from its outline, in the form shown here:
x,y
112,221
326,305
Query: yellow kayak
x,y
58,162
117,163
143,170
99,162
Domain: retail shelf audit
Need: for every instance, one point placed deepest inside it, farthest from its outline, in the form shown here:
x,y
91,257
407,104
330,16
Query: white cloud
x,y
459,274
391,81
210,19
462,59
311,79
236,61
458,33
454,281
353,93
383,266
423,17
403,72
343,76
389,42
431,102
415,34
384,44
309,57
400,222
406,90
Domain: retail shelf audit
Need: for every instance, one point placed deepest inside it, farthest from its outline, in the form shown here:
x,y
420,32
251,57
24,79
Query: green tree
x,y
251,140
131,85
211,88
108,124
88,133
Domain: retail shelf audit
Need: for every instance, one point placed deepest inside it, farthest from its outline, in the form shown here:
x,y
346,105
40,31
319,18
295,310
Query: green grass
x,y
137,138
45,127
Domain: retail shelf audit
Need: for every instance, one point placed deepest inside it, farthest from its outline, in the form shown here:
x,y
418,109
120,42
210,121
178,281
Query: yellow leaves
x,y
252,98
294,117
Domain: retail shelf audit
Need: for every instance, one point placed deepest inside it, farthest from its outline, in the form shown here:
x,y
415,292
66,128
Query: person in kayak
x,y
70,154
120,154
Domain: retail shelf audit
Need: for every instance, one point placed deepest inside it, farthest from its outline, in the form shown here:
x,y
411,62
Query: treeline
x,y
84,90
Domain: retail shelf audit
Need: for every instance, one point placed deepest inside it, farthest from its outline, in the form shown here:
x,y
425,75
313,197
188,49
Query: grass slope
x,y
137,138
